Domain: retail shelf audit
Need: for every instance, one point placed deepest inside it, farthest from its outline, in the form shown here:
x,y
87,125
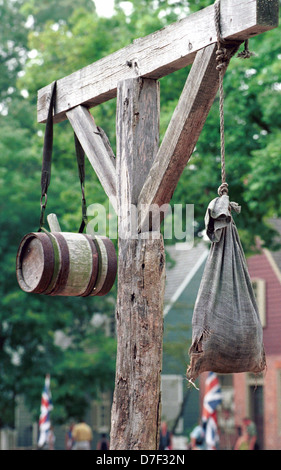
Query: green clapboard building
x,y
180,400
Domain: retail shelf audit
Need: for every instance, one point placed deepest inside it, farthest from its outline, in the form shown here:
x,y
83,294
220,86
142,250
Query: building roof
x,y
187,261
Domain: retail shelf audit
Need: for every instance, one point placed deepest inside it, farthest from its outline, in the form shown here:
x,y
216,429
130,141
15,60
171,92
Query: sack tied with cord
x,y
227,334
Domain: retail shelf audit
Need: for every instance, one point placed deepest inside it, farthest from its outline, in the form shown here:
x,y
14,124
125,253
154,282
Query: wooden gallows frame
x,y
144,174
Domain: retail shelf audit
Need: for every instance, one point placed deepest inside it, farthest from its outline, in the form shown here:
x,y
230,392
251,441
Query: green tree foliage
x,y
29,323
13,50
42,42
52,11
252,123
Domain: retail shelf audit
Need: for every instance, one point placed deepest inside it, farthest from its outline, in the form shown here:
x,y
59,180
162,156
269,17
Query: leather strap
x,y
47,164
47,155
80,155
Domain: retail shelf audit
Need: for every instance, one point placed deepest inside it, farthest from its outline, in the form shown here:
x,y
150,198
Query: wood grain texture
x,y
66,264
35,262
136,411
107,145
92,141
137,130
141,277
53,223
80,264
158,54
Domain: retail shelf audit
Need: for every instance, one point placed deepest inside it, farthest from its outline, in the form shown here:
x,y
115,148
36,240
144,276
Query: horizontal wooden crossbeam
x,y
158,54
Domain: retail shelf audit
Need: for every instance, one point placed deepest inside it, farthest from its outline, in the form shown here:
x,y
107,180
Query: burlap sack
x,y
227,334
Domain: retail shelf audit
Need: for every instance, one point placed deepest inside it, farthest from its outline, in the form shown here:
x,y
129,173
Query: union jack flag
x,y
46,407
212,398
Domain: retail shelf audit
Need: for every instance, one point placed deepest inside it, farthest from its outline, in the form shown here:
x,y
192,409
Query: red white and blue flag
x,y
212,398
46,407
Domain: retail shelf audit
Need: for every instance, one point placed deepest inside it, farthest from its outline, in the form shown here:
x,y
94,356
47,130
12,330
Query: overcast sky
x,y
104,7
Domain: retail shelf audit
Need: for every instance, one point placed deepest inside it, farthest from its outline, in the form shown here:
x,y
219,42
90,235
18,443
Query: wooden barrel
x,y
64,263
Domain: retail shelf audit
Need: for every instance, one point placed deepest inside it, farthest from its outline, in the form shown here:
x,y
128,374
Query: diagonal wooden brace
x,y
182,134
96,149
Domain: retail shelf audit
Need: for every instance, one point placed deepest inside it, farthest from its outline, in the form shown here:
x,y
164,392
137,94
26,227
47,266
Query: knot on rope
x,y
223,189
222,58
246,53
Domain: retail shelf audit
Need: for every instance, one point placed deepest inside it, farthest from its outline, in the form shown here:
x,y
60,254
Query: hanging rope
x,y
222,61
223,58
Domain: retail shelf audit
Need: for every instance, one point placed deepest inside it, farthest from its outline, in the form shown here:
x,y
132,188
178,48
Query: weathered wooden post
x,y
141,275
144,175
